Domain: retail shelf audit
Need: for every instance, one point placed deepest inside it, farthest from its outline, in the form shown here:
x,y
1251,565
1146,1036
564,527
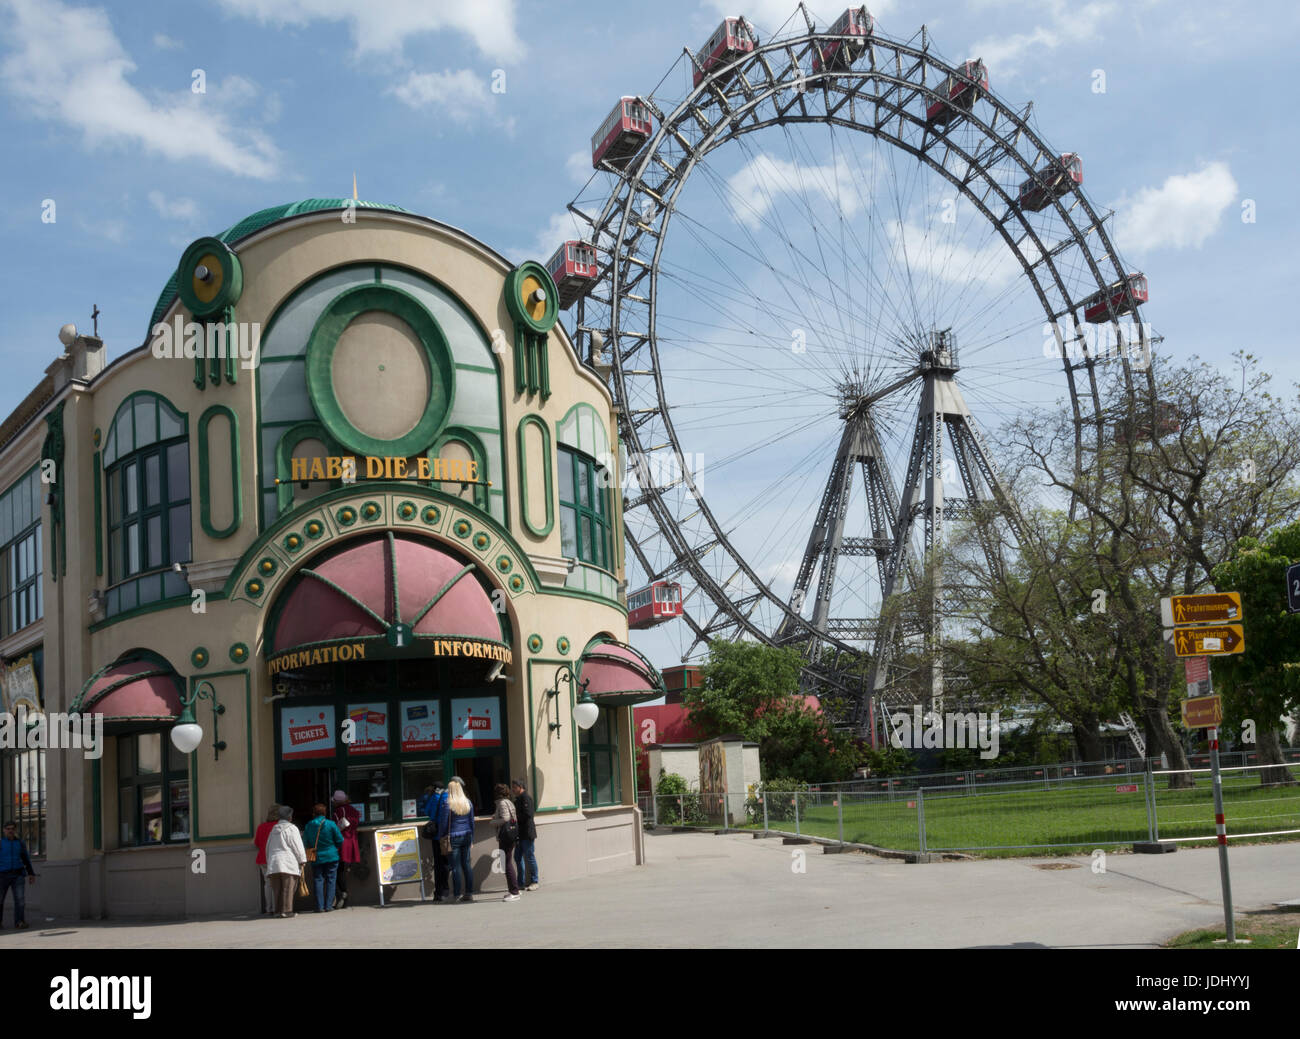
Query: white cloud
x,y
1182,213
578,165
462,95
1066,23
176,209
753,189
383,28
993,265
561,227
165,43
66,64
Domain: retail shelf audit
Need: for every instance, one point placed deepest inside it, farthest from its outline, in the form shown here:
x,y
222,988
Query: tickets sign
x,y
421,725
476,722
307,732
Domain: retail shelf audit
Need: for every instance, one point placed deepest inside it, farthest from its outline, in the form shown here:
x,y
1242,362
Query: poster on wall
x,y
18,680
369,728
307,732
476,722
398,853
421,725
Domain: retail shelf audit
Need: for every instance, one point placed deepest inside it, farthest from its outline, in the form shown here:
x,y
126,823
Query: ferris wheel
x,y
815,267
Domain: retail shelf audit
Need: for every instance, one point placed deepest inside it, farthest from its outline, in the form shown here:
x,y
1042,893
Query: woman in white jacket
x,y
285,858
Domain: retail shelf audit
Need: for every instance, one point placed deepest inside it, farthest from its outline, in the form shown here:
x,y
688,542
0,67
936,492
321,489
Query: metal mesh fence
x,y
1030,809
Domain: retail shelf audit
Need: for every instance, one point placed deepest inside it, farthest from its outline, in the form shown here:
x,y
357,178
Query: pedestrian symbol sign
x,y
1210,608
1214,641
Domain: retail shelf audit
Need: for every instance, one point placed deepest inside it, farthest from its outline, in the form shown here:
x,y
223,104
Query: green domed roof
x,y
264,218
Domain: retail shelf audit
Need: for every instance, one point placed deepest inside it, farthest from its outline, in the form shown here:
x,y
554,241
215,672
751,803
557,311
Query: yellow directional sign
x,y
1214,641
1201,712
1209,608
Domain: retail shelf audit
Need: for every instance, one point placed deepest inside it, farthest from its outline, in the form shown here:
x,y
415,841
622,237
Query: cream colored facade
x,y
253,538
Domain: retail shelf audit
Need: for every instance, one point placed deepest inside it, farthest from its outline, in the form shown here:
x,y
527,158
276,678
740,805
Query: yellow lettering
x,y
334,467
317,470
374,467
399,468
473,470
359,650
345,652
298,468
422,468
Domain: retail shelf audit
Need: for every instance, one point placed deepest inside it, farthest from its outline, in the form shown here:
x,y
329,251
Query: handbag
x,y
303,889
509,832
311,852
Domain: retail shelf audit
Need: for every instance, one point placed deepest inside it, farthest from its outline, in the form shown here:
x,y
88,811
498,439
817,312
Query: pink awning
x,y
369,586
616,674
138,690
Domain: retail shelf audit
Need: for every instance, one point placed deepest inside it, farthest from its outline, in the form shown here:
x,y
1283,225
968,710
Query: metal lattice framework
x,y
1064,256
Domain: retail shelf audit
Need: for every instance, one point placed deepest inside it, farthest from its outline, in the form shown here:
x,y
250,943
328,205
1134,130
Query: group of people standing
x,y
451,827
282,856
329,843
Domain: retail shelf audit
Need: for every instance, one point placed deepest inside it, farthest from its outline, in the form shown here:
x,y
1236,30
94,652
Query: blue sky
x,y
97,113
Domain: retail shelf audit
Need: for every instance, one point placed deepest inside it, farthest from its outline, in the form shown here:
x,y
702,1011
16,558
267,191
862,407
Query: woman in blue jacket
x,y
456,819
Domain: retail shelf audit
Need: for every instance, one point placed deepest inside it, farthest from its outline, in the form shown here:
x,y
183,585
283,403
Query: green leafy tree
x,y
751,690
1263,683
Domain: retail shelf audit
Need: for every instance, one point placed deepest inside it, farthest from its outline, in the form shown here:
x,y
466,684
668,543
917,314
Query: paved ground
x,y
704,890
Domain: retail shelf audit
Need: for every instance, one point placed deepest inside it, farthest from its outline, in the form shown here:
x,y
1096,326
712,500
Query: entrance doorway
x,y
303,789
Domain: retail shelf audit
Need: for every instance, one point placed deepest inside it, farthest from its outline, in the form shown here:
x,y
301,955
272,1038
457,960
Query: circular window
x,y
379,372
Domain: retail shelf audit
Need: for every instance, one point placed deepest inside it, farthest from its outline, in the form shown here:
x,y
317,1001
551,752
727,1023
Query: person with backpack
x,y
433,805
323,840
507,823
524,856
15,871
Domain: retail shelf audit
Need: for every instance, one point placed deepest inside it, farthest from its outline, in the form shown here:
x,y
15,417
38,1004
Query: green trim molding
x,y
52,451
196,834
346,307
477,451
548,475
205,481
97,475
531,363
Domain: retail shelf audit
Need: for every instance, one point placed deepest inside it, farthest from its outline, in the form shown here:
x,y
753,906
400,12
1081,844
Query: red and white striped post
x,y
1221,829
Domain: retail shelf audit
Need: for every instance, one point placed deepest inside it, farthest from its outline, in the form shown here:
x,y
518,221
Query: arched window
x,y
147,477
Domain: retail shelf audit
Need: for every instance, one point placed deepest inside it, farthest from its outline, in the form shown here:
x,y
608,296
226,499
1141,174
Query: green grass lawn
x,y
1068,817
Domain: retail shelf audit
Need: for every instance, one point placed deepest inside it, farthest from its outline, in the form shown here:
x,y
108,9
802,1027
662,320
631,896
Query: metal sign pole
x,y
1221,829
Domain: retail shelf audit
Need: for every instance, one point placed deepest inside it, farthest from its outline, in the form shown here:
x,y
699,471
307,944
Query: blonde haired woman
x,y
456,820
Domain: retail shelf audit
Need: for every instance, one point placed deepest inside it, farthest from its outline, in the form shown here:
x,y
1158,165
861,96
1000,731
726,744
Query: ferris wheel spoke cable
x,y
731,291
798,254
792,250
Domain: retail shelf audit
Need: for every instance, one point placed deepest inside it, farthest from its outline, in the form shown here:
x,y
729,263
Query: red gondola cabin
x,y
654,604
1050,183
622,134
573,269
1123,297
961,91
732,39
840,54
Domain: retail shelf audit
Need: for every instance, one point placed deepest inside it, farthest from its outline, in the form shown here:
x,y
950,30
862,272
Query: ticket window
x,y
419,779
371,786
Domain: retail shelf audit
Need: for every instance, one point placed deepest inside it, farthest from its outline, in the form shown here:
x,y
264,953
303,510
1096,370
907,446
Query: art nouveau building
x,y
355,491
